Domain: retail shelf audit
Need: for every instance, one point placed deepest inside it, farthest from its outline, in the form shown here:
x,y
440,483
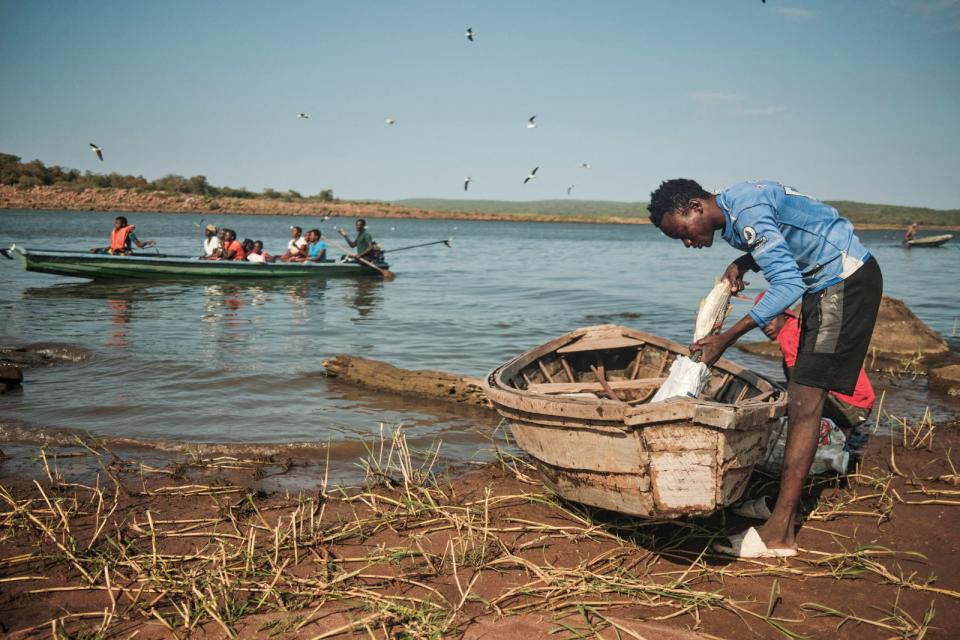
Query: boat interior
x,y
625,369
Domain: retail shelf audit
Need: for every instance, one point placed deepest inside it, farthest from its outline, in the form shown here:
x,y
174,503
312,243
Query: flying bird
x,y
466,182
304,116
391,121
97,150
530,122
470,34
570,188
584,165
533,174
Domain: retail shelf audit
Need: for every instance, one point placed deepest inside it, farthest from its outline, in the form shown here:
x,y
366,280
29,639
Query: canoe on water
x,y
82,264
929,241
580,406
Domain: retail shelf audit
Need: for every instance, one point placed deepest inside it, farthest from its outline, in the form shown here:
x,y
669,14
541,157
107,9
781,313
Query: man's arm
x,y
346,237
140,245
770,254
712,347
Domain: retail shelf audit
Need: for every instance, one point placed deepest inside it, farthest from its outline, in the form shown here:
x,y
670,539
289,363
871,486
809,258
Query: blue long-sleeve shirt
x,y
800,244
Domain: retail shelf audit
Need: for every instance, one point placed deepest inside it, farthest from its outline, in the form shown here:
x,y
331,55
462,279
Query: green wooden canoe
x,y
82,264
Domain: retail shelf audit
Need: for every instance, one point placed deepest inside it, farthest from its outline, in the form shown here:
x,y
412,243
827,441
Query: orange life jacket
x,y
118,238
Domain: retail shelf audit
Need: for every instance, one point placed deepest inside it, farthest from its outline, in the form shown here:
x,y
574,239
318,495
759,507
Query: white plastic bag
x,y
829,458
687,378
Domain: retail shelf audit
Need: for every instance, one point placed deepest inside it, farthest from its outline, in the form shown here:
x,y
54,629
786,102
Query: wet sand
x,y
212,547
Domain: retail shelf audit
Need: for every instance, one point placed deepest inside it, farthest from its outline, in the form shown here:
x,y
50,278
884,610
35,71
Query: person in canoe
x,y
232,248
804,250
911,232
211,240
316,249
257,254
123,239
297,247
363,243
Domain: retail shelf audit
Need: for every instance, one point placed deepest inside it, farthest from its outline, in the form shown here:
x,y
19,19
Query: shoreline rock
x,y
946,380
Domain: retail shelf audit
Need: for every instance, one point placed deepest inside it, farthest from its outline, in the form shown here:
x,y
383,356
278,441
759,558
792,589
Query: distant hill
x,y
532,207
858,212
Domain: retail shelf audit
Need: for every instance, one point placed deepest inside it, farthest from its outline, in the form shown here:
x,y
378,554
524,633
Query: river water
x,y
241,362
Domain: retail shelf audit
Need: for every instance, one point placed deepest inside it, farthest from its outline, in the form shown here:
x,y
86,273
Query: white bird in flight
x,y
466,182
303,116
97,150
584,165
470,34
391,121
533,174
530,122
570,188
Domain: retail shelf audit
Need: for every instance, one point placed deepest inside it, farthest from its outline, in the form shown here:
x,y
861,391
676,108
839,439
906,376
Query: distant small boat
x,y
929,241
97,266
580,406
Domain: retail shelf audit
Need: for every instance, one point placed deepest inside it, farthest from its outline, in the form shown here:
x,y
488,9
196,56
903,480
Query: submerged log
x,y
435,385
901,341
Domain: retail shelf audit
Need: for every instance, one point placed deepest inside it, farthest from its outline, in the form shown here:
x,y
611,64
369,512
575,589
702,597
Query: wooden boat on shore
x,y
82,264
929,241
580,406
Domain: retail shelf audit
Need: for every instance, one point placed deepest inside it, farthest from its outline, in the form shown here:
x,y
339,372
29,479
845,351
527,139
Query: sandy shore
x,y
98,543
125,200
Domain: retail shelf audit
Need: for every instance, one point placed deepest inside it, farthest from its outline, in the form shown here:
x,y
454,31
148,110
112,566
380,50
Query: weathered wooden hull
x,y
930,241
684,456
81,264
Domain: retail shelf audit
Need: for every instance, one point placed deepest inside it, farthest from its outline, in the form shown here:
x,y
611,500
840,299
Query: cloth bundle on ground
x,y
832,455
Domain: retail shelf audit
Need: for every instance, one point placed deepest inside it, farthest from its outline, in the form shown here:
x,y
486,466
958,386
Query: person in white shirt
x,y
257,254
211,242
297,247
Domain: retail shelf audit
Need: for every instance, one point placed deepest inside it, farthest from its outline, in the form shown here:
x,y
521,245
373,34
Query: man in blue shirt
x,y
804,249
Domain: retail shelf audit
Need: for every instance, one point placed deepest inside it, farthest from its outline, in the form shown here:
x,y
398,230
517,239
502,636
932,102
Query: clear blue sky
x,y
844,99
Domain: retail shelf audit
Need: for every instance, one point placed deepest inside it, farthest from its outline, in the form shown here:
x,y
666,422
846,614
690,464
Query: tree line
x,y
35,173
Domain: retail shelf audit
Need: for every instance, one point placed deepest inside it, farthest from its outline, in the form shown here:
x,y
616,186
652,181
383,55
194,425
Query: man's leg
x,y
803,417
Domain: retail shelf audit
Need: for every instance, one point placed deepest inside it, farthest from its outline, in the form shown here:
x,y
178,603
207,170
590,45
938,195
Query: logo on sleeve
x,y
750,237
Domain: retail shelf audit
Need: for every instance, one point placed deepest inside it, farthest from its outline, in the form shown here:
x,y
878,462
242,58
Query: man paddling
x,y
363,243
804,249
122,238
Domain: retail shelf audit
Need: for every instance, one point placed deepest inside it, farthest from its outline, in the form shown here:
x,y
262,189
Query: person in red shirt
x,y
846,411
230,249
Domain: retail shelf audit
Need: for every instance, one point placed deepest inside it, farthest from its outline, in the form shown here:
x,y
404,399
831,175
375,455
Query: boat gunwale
x,y
615,413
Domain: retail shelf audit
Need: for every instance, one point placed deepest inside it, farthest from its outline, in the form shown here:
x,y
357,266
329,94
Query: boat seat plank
x,y
601,343
581,387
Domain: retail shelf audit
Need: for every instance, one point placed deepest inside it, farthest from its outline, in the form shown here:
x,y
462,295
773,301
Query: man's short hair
x,y
362,221
673,195
297,229
316,231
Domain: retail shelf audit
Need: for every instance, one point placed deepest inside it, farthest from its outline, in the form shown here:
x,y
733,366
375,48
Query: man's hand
x,y
711,348
342,232
734,277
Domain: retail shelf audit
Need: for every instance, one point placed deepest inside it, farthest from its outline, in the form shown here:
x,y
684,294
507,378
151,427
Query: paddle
x,y
386,273
447,242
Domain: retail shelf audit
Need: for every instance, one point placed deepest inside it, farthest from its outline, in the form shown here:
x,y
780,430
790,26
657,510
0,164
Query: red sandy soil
x,y
63,199
882,547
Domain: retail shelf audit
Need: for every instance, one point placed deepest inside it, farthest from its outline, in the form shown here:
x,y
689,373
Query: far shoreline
x,y
131,201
